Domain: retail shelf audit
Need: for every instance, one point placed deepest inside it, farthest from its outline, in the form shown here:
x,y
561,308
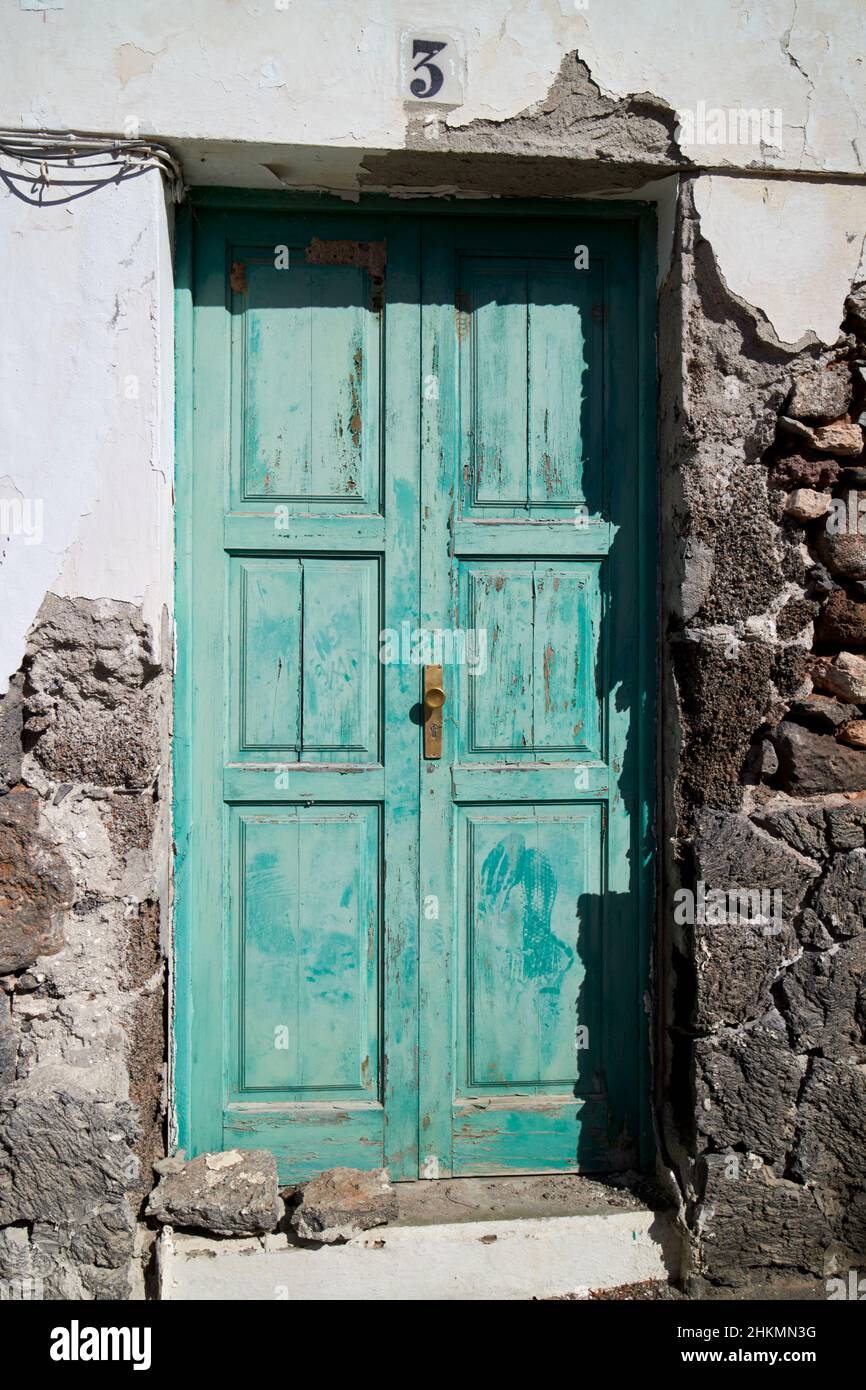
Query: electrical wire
x,y
55,168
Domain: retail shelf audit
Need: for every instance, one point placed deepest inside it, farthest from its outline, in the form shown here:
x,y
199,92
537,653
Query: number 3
x,y
424,50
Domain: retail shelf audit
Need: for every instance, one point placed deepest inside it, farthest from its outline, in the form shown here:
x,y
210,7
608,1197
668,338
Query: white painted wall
x,y
86,403
790,248
326,72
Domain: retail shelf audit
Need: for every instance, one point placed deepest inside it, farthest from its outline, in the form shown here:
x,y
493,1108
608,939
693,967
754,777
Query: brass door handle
x,y
434,699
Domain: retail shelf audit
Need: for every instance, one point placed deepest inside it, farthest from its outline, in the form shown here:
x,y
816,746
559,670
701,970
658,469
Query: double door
x,y
414,726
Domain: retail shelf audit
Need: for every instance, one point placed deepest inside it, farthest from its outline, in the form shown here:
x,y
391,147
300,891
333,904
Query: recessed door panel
x,y
307,935
306,380
529,341
528,1011
538,626
306,658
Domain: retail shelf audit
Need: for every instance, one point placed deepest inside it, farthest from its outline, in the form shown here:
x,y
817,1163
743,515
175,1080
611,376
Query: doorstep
x,y
458,1239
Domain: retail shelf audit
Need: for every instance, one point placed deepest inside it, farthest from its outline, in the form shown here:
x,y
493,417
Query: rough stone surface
x,y
816,830
11,726
230,1193
747,1085
795,617
106,747
804,504
35,885
846,824
731,852
824,997
65,1165
821,582
8,1043
751,1219
852,732
82,893
840,900
831,1137
855,308
821,712
810,932
342,1202
91,711
843,438
769,760
842,621
753,1019
802,826
821,394
811,763
843,675
736,966
722,698
797,470
852,1229
843,554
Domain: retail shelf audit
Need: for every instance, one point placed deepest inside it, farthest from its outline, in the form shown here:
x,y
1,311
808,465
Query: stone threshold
x,y
458,1239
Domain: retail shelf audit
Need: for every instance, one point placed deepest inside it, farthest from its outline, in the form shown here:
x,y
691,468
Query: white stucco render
x,y
790,248
86,402
311,72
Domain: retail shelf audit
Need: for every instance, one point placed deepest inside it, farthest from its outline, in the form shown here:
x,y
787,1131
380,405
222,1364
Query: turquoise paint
x,y
512,871
448,1041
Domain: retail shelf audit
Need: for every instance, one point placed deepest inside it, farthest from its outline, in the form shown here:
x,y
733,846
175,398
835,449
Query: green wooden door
x,y
413,438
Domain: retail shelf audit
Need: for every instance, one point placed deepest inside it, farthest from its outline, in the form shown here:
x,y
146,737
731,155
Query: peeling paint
x,y
371,256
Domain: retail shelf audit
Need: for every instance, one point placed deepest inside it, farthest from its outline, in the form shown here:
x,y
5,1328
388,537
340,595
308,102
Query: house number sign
x,y
431,68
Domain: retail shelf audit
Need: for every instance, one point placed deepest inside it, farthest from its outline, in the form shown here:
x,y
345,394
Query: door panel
x,y
530,408
537,694
523,980
305,644
306,449
306,360
531,974
306,918
405,421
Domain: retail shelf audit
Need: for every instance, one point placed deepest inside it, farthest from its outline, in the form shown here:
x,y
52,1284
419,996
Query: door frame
x,y
192,974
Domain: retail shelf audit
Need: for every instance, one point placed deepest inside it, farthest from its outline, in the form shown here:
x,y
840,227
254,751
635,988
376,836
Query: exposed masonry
x,y
576,140
576,118
82,1013
761,1086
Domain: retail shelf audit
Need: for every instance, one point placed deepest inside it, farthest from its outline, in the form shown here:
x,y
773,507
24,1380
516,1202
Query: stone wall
x,y
762,1090
82,1009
